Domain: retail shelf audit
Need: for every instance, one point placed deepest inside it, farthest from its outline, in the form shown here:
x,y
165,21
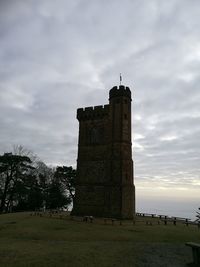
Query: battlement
x,y
120,91
88,113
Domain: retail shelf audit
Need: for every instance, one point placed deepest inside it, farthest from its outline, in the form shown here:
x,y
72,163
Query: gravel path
x,y
163,255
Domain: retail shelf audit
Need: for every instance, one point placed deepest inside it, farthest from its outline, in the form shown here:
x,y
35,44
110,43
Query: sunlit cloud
x,y
137,146
138,136
168,138
137,117
57,58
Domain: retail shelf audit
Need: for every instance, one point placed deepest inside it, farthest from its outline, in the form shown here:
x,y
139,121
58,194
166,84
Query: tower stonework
x,y
104,183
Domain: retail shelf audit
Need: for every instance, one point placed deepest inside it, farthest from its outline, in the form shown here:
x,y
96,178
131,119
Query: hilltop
x,y
57,240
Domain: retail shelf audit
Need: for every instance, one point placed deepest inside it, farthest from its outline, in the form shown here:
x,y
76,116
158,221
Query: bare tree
x,y
198,216
22,151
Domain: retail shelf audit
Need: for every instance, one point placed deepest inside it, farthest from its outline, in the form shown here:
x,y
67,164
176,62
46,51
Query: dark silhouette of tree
x,y
57,197
36,188
67,175
28,183
28,194
45,176
13,169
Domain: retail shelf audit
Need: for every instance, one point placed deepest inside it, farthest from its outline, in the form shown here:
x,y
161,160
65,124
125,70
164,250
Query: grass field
x,y
43,241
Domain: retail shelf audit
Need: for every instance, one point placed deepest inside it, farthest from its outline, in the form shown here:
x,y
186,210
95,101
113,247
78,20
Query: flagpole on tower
x,y
120,78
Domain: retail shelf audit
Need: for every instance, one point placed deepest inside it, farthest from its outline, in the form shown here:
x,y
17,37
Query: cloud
x,y
57,57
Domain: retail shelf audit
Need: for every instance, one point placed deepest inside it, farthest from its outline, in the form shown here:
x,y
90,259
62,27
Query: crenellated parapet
x,y
95,112
120,91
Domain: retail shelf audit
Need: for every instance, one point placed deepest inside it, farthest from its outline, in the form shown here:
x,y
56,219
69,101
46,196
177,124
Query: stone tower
x,y
104,184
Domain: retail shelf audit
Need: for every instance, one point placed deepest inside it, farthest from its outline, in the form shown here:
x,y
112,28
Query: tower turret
x,y
122,164
120,91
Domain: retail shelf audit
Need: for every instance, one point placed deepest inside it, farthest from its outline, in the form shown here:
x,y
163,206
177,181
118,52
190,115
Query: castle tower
x,y
104,184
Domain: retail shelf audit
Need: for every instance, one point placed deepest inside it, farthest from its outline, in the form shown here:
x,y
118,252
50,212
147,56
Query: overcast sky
x,y
57,56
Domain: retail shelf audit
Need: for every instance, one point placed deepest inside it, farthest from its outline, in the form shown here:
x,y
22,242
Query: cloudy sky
x,y
57,56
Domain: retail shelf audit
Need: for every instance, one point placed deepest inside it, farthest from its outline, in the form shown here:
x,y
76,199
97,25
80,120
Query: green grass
x,y
42,241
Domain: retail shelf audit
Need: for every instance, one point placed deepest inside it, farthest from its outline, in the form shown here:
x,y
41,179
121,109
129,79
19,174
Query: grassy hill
x,y
52,241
